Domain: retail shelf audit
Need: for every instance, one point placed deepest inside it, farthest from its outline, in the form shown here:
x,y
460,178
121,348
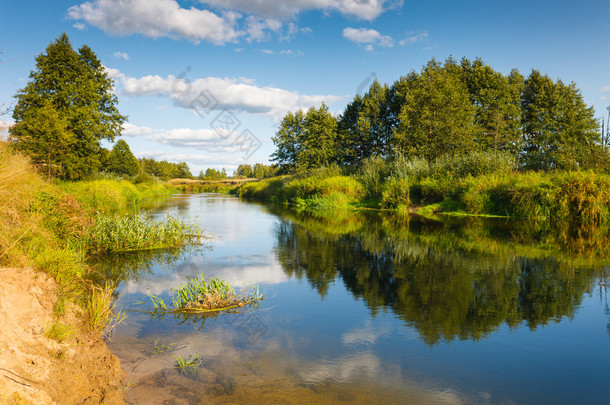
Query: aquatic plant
x,y
198,295
161,347
189,366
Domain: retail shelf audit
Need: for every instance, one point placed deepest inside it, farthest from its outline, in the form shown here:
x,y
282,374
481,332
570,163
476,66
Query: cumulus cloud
x,y
214,93
134,130
166,18
362,9
605,88
157,18
414,37
367,37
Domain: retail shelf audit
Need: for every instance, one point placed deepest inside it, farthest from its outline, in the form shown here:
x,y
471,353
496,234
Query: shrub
x,y
395,194
373,173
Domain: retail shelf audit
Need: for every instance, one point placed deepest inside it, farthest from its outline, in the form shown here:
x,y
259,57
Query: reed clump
x,y
199,295
134,232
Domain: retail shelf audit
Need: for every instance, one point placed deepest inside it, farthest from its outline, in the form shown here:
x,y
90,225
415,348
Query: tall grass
x,y
112,197
131,232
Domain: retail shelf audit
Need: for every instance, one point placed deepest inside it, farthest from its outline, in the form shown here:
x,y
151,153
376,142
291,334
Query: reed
x,y
134,232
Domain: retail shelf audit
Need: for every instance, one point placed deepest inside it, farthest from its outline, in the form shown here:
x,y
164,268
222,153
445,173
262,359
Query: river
x,y
363,307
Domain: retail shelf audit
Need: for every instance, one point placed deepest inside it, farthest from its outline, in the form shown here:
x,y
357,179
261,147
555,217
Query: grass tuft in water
x,y
199,295
189,366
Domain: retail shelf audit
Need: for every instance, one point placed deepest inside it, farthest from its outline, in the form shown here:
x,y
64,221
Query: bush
x,y
395,194
373,173
474,164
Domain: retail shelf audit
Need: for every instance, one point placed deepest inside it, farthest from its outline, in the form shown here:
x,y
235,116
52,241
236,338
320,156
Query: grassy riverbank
x,y
51,228
481,184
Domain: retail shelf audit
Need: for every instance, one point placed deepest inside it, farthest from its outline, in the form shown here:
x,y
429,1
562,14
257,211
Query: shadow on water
x,y
452,279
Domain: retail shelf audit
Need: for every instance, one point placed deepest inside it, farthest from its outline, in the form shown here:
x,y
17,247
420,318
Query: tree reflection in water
x,y
453,279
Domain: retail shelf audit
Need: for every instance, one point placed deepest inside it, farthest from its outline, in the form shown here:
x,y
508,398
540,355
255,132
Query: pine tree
x,y
78,88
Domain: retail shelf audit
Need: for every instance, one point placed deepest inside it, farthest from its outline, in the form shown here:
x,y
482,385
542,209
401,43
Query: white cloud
x,y
134,130
267,51
368,38
605,88
166,18
157,18
208,140
234,94
414,37
362,9
121,55
79,26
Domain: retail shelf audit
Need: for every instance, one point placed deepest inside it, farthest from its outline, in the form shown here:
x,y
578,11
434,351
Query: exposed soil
x,y
39,370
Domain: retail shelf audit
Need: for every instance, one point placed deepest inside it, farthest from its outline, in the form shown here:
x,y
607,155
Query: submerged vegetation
x,y
189,366
199,296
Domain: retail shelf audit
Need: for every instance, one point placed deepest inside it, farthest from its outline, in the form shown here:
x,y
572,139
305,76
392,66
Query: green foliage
x,y
124,233
559,130
373,173
436,117
448,109
69,93
395,194
165,170
121,161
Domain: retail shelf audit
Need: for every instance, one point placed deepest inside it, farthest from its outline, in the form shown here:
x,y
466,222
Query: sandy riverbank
x,y
39,370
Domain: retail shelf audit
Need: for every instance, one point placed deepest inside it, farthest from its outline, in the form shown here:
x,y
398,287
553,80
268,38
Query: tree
x,y
78,88
317,147
45,137
288,140
364,129
437,117
559,130
121,161
497,102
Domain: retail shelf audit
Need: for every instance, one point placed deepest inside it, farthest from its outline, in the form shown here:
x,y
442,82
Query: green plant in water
x,y
189,366
161,347
198,295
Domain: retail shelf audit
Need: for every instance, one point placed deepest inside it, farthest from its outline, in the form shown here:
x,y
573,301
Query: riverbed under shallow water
x,y
370,308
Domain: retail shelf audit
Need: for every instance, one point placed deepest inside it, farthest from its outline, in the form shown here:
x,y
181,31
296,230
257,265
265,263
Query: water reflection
x,y
447,280
373,308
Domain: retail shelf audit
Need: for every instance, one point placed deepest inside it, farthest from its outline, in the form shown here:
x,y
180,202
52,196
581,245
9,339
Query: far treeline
x,y
450,109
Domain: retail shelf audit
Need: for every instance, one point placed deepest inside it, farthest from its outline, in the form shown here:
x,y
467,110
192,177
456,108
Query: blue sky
x,y
207,81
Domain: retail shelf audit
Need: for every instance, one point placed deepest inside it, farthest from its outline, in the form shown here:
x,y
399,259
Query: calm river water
x,y
371,309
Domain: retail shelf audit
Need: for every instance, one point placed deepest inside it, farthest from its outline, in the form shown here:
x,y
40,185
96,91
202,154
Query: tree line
x,y
449,108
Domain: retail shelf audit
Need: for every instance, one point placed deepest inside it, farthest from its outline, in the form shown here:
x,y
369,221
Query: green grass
x,y
199,295
133,232
189,366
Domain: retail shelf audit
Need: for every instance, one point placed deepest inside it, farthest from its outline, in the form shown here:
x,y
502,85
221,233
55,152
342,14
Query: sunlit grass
x,y
132,232
199,295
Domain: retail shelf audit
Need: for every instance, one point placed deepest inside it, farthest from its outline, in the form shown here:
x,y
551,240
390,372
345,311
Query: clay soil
x,y
35,369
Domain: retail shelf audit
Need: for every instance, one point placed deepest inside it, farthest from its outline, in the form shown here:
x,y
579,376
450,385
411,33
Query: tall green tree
x,y
45,137
364,129
77,86
559,130
497,102
318,144
121,161
437,117
288,140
